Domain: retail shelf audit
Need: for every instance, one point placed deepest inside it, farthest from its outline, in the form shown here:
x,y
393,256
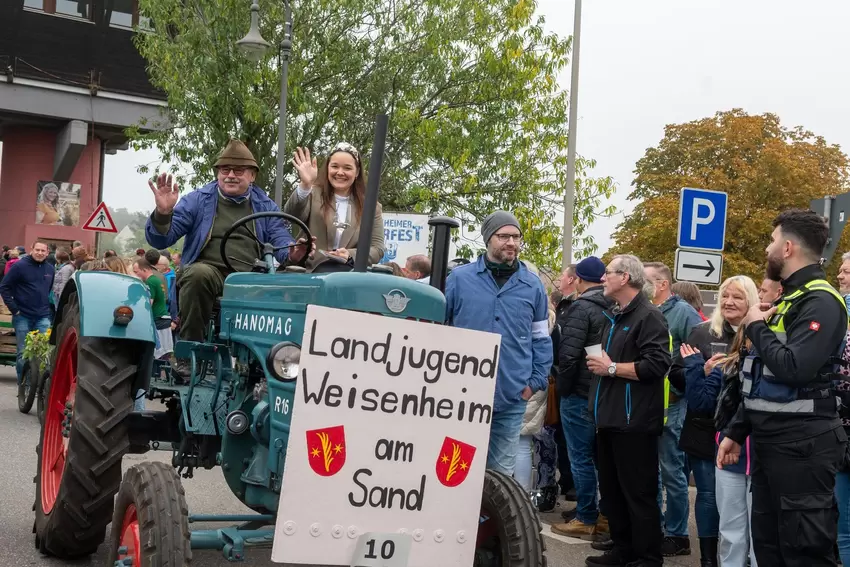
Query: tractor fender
x,y
99,294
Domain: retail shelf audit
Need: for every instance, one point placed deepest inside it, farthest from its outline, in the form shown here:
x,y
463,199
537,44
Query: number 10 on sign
x,y
382,550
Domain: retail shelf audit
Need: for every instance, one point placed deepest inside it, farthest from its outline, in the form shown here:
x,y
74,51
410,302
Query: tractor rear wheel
x,y
83,438
41,394
510,533
150,526
28,386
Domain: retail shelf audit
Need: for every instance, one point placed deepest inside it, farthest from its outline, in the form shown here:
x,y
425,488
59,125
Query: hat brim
x,y
236,161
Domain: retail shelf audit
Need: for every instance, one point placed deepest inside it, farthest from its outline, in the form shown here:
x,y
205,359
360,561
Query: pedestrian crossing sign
x,y
100,220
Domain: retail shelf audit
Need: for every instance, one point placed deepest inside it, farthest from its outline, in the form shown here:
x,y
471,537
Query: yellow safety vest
x,y
777,324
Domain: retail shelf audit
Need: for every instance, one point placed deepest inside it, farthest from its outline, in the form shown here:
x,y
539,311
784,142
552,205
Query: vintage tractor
x,y
221,417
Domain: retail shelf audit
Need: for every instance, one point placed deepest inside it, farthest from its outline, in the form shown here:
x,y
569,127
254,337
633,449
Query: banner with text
x,y
405,235
389,434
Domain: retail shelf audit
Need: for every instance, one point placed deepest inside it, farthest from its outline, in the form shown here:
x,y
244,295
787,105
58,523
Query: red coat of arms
x,y
326,450
454,461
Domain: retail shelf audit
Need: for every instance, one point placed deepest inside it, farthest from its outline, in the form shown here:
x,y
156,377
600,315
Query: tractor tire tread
x,y
163,515
525,544
76,526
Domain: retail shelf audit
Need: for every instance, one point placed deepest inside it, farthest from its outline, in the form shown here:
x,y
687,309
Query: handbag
x,y
553,413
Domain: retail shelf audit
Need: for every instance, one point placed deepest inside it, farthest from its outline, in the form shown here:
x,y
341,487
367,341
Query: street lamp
x,y
253,46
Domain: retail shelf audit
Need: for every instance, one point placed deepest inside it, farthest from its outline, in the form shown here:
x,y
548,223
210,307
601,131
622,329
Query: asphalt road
x,y
206,494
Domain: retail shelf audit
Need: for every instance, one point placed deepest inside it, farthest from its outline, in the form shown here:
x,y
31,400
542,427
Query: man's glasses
x,y
225,169
609,272
506,237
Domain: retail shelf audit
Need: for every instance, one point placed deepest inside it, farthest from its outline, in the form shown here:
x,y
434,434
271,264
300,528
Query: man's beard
x,y
774,268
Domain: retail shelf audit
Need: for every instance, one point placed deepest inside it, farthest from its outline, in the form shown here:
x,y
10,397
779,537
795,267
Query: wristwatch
x,y
612,369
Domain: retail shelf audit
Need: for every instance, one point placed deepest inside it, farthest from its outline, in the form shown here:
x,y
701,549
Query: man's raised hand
x,y
165,192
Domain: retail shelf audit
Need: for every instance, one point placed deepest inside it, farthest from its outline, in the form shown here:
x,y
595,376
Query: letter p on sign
x,y
702,219
697,219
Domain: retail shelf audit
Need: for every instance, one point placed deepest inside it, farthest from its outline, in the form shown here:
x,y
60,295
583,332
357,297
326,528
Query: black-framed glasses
x,y
226,169
506,237
609,272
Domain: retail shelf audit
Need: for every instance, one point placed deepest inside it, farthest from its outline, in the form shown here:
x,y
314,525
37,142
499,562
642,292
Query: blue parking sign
x,y
702,219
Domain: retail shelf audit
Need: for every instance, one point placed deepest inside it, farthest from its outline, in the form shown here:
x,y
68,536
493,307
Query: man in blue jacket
x,y
26,293
203,216
498,294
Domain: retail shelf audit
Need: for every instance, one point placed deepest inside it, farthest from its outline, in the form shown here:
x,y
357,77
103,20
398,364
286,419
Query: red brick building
x,y
71,81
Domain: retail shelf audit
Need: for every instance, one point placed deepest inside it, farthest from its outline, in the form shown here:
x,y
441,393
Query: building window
x,y
125,14
74,8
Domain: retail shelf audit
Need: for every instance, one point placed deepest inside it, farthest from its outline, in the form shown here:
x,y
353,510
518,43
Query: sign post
x,y
388,443
702,236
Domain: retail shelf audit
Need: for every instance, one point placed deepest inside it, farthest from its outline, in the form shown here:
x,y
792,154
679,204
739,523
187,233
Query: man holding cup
x,y
627,401
581,335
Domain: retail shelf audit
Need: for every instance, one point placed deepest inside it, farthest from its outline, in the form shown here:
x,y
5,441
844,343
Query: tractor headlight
x,y
284,361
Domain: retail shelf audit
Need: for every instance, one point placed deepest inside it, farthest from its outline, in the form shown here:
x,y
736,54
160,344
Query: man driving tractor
x,y
203,216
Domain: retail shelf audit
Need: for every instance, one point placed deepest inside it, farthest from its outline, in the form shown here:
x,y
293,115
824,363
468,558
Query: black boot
x,y
708,552
548,499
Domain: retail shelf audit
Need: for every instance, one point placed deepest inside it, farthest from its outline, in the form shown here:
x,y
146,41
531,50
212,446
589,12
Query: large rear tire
x,y
150,526
83,438
510,533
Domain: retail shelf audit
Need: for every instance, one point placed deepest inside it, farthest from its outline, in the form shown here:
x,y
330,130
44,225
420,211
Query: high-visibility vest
x,y
765,395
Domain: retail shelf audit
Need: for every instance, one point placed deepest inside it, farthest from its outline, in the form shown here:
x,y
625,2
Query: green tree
x,y
763,166
477,120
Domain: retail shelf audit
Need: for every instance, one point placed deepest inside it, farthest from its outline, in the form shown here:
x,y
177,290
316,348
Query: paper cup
x,y
593,350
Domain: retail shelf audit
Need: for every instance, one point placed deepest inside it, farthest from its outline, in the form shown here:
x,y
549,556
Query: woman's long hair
x,y
115,264
743,283
358,188
739,343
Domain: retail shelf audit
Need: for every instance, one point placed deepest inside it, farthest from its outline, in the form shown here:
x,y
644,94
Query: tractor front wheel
x,y
150,526
83,438
509,533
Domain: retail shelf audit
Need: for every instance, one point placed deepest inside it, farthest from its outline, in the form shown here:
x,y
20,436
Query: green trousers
x,y
200,285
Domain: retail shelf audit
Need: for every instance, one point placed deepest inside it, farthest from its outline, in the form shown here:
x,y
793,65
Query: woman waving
x,y
330,202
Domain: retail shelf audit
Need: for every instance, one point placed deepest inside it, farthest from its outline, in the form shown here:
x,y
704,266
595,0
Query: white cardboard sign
x,y
389,433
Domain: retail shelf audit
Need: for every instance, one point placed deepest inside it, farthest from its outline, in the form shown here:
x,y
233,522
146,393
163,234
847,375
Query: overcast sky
x,y
648,63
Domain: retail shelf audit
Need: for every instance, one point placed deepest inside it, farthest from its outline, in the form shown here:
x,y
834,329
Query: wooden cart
x,y
8,343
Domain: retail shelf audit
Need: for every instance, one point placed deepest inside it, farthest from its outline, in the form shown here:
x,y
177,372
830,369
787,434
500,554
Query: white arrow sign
x,y
698,267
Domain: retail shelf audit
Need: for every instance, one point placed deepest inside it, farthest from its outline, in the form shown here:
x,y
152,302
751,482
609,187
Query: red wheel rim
x,y
54,448
129,546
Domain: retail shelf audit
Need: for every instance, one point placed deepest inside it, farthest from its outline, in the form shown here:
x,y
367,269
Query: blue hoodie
x,y
26,288
681,319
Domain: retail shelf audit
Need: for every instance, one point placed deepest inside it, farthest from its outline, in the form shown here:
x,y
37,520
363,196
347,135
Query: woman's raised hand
x,y
308,170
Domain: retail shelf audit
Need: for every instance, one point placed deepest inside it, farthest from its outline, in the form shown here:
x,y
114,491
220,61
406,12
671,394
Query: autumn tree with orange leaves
x,y
764,167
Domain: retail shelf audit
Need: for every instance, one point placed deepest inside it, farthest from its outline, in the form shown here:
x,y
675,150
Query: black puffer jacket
x,y
581,325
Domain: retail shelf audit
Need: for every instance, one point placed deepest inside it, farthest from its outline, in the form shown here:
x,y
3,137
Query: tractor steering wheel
x,y
265,247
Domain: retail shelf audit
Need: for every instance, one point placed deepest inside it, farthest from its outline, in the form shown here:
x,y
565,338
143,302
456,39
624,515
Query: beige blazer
x,y
309,210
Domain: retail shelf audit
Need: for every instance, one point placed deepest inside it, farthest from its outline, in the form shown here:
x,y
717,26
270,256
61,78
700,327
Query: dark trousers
x,y
199,286
566,474
795,516
628,479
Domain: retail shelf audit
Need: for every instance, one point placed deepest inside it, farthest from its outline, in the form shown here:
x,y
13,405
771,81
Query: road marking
x,y
547,531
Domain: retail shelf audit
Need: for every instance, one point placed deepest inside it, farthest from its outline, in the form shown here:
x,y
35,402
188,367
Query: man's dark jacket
x,y
581,325
815,327
638,333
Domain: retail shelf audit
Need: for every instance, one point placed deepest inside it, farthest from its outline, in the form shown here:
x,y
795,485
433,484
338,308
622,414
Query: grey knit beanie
x,y
495,221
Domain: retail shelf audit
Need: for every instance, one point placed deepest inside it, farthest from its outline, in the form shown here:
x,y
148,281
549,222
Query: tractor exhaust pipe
x,y
440,257
367,219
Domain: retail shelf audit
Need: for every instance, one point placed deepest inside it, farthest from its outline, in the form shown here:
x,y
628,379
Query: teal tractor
x,y
221,417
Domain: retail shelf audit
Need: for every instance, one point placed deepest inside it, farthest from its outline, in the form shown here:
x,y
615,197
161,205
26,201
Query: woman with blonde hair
x,y
116,264
709,356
